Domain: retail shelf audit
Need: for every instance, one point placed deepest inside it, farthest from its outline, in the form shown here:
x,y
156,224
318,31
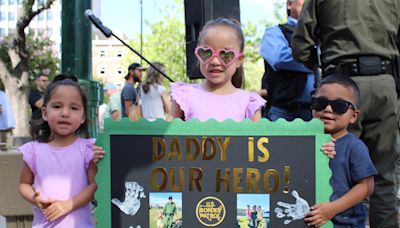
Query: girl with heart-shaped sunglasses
x,y
220,55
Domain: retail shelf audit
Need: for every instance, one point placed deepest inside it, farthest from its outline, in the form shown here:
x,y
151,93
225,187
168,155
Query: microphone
x,y
96,21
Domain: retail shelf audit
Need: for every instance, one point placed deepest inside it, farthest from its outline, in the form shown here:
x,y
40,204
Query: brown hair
x,y
152,76
238,76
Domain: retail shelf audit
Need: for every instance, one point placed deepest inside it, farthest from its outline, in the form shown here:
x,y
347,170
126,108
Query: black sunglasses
x,y
338,106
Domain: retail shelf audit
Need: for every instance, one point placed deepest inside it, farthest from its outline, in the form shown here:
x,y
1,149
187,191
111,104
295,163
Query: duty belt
x,y
366,65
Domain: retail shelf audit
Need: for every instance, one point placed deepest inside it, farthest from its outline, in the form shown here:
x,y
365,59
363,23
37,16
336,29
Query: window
x,y
11,2
2,16
41,16
102,70
2,32
49,15
11,30
2,2
11,16
20,2
49,31
102,53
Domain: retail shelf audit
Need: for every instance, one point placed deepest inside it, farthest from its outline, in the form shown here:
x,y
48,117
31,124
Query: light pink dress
x,y
60,173
198,103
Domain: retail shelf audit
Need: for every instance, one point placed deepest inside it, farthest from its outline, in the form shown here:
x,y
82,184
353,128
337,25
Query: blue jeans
x,y
288,114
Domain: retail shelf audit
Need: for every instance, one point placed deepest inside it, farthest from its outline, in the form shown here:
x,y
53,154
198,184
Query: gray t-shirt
x,y
128,94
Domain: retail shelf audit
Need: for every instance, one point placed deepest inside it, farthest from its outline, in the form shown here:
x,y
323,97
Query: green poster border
x,y
178,127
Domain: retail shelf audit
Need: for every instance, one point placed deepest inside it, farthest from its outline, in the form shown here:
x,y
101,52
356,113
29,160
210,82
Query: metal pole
x,y
141,57
141,29
76,57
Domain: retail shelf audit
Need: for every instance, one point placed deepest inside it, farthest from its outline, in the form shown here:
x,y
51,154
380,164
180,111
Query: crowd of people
x,y
355,98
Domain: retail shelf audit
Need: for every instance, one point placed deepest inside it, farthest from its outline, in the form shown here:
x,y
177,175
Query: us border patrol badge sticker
x,y
210,211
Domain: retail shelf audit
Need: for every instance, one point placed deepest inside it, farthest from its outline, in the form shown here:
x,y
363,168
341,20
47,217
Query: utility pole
x,y
76,57
141,30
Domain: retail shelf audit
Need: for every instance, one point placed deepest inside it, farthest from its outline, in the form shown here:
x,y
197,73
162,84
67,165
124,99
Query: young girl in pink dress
x,y
58,173
220,53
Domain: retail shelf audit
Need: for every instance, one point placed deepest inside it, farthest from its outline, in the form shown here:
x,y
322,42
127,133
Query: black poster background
x,y
131,160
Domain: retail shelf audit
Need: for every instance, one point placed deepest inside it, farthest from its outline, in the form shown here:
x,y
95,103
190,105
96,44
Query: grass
x,y
244,222
154,214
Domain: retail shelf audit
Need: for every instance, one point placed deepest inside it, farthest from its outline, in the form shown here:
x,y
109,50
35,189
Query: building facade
x,y
48,22
107,54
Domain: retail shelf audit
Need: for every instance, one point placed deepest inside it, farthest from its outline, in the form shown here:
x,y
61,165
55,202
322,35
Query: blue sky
x,y
253,199
124,15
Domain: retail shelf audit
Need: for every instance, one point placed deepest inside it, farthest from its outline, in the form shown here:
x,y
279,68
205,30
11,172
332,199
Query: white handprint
x,y
131,204
295,211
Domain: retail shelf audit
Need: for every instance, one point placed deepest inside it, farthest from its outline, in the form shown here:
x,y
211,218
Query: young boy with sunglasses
x,y
352,169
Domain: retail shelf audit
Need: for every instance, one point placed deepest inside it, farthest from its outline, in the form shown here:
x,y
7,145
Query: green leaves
x,y
166,44
41,57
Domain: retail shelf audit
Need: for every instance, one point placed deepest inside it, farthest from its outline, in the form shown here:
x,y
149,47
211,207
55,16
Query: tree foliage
x,y
41,57
14,67
253,60
166,44
280,13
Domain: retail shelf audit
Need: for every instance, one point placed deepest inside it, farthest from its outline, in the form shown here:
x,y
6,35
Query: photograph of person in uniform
x,y
165,210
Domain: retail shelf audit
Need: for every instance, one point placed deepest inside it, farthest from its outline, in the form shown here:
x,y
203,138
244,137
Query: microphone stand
x,y
107,32
137,53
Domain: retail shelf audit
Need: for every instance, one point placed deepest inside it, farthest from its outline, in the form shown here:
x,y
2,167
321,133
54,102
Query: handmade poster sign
x,y
212,174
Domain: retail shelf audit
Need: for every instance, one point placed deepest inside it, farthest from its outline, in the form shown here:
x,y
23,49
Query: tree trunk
x,y
16,82
17,90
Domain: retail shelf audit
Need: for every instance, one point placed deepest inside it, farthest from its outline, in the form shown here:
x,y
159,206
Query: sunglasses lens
x,y
227,56
339,106
204,53
320,104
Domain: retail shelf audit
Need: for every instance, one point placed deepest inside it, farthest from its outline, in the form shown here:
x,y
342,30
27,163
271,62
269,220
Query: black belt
x,y
362,67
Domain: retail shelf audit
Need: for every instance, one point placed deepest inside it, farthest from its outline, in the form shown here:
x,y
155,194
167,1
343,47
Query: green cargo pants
x,y
378,127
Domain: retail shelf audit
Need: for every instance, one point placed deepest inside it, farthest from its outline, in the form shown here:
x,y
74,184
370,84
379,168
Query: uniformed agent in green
x,y
169,212
360,39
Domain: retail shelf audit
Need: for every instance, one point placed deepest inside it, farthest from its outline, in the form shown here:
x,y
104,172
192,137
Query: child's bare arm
x,y
175,111
166,101
323,212
26,189
25,183
257,116
59,208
